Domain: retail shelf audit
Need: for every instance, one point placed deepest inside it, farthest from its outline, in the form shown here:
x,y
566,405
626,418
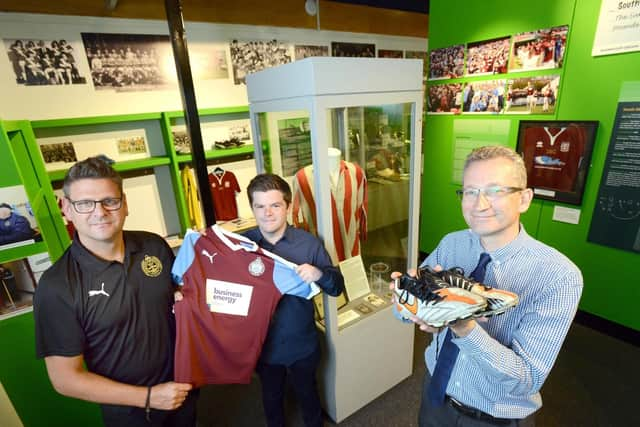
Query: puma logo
x,y
208,255
100,292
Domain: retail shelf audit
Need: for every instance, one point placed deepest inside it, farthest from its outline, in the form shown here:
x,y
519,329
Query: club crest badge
x,y
151,266
256,268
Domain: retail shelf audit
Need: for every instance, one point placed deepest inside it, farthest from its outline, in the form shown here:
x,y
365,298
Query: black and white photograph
x,y
445,98
240,132
61,152
207,63
252,56
538,50
447,62
483,97
38,62
181,141
129,62
133,145
488,56
353,50
307,51
388,53
18,225
532,95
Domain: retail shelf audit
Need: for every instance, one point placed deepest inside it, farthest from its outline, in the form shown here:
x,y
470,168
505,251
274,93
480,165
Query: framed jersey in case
x,y
557,155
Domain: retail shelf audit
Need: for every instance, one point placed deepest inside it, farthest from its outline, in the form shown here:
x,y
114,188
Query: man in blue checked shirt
x,y
499,363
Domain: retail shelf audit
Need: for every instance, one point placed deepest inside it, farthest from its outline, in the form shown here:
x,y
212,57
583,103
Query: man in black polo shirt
x,y
107,303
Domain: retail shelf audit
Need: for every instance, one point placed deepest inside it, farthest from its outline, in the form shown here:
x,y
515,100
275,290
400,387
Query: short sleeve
x,y
57,327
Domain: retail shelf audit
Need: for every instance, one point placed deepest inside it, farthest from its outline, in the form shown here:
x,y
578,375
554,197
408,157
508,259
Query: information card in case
x,y
356,283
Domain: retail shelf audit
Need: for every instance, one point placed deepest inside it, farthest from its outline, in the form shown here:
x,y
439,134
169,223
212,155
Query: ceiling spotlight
x,y
311,7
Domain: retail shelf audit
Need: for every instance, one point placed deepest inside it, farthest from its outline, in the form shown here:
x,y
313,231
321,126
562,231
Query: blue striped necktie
x,y
449,352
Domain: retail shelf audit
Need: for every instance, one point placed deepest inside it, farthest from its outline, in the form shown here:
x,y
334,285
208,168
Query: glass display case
x,y
344,133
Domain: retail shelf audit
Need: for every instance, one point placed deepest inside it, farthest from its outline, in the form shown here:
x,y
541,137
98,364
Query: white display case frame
x,y
364,359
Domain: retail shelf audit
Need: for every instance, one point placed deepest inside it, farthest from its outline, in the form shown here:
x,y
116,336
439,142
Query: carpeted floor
x,y
594,383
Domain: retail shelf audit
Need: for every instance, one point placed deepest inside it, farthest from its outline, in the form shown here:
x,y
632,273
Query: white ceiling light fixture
x,y
311,7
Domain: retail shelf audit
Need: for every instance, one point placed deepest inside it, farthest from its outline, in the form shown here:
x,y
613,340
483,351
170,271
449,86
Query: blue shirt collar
x,y
504,253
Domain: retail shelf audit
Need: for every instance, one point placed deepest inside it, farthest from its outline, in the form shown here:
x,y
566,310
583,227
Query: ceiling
x,y
420,6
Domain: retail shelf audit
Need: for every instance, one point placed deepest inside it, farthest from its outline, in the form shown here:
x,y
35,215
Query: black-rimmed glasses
x,y
490,193
88,206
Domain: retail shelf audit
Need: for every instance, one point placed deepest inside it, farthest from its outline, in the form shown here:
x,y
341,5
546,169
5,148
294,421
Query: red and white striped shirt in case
x,y
348,208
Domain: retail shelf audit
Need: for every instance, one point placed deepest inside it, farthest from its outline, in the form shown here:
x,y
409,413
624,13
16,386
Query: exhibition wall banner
x,y
618,28
616,216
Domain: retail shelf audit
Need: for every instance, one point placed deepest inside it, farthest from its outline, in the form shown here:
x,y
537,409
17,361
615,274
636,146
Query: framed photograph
x,y
447,62
532,95
483,97
251,56
38,62
557,155
446,98
387,53
128,62
307,51
18,226
357,50
538,50
134,145
488,57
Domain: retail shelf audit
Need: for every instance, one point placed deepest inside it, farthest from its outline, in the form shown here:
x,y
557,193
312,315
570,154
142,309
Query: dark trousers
x,y
130,416
302,376
447,416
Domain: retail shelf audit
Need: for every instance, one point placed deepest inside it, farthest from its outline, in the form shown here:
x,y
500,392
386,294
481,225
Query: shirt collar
x,y
286,236
94,263
504,253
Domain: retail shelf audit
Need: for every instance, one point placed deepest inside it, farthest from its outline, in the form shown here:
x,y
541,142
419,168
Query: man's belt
x,y
476,413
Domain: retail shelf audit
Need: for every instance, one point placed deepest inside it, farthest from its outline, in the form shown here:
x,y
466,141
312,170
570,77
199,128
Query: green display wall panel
x,y
589,90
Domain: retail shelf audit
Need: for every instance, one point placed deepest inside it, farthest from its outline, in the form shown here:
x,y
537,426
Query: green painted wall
x,y
589,91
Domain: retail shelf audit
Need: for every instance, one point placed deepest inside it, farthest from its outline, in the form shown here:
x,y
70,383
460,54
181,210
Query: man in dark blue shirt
x,y
291,347
13,227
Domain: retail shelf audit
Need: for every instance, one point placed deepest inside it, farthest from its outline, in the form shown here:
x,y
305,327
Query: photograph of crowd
x,y
133,145
447,62
488,57
128,62
305,51
354,50
532,95
62,152
249,57
446,98
387,53
541,49
43,62
483,96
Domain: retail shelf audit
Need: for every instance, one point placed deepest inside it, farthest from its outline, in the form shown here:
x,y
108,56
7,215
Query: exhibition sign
x,y
618,28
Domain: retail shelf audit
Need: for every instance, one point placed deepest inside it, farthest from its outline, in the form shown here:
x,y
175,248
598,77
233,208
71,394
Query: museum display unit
x,y
345,132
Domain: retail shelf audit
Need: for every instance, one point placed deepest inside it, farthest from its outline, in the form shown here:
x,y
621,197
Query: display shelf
x,y
97,120
219,153
125,166
19,252
220,112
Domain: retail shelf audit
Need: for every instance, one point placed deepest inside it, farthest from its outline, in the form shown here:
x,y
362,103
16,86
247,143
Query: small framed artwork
x,y
557,155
